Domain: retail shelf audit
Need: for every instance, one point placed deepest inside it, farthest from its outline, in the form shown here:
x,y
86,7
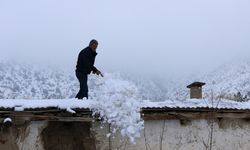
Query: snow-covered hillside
x,y
229,79
31,81
19,81
224,82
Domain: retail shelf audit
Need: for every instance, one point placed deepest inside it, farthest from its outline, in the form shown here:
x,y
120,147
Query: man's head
x,y
93,44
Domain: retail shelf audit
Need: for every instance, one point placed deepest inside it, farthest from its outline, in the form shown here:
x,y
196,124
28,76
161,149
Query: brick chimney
x,y
196,90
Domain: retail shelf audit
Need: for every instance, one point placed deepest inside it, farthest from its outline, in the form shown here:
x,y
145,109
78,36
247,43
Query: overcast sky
x,y
154,37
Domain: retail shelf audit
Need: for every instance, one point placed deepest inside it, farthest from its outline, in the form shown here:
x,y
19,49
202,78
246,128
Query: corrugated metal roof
x,y
199,104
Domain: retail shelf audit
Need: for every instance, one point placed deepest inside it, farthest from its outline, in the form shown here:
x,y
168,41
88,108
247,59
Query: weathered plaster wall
x,y
22,136
7,139
30,137
228,134
43,135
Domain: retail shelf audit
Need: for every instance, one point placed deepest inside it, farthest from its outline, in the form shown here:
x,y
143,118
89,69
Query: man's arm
x,y
96,71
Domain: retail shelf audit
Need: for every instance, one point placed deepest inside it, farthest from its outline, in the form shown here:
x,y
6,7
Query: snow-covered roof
x,y
21,104
199,103
125,114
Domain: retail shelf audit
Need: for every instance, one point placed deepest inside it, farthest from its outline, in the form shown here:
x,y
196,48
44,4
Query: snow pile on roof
x,y
118,102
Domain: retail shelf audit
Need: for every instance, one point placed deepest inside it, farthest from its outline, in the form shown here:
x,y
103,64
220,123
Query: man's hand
x,y
99,73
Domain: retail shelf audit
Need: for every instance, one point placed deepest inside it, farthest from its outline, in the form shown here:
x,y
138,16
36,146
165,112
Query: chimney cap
x,y
199,84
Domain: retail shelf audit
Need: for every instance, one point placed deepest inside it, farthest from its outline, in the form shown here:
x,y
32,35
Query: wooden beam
x,y
33,117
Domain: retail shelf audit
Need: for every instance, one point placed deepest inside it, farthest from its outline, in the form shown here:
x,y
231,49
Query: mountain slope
x,y
229,79
27,81
224,82
19,81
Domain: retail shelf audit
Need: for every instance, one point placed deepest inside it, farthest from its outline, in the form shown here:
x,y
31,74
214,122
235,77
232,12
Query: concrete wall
x,y
228,134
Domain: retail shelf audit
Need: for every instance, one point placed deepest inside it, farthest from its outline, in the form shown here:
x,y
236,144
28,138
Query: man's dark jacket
x,y
86,60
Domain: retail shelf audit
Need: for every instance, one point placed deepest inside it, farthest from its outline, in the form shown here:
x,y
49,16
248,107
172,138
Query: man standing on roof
x,y
85,65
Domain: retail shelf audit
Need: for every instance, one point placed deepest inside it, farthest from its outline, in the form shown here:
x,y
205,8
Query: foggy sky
x,y
153,37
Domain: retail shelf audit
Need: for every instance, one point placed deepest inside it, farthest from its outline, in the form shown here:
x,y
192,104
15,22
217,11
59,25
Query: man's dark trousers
x,y
83,78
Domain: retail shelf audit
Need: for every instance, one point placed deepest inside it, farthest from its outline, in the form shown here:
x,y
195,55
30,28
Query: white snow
x,y
223,82
34,103
108,135
70,110
18,108
198,103
118,103
116,109
19,81
7,120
